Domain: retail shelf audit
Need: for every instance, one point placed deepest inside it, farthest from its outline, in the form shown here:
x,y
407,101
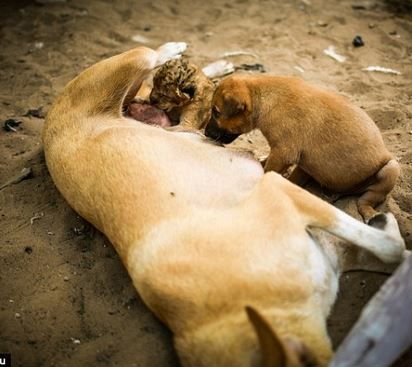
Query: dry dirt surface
x,y
65,298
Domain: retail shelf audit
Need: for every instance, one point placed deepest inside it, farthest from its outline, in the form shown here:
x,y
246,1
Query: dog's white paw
x,y
169,51
392,228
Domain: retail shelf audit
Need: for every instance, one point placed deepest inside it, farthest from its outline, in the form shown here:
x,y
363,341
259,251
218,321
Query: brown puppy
x,y
203,233
325,135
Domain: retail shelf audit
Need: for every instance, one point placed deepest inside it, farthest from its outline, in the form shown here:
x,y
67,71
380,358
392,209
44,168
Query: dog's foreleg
x,y
386,242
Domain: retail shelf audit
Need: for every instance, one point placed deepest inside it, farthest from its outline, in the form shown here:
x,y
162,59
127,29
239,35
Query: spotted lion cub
x,y
184,91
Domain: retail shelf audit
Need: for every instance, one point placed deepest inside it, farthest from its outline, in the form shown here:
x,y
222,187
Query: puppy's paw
x,y
169,51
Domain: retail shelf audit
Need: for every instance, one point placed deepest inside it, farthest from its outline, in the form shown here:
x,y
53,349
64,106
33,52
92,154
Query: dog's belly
x,y
206,175
189,269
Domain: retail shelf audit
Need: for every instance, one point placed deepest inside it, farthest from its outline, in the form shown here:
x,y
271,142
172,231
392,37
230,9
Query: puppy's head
x,y
231,111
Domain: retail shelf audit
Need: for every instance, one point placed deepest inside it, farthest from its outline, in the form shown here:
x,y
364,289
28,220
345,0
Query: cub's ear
x,y
232,105
189,91
272,348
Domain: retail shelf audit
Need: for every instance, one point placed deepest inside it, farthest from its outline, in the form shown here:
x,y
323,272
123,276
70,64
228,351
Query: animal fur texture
x,y
326,136
218,250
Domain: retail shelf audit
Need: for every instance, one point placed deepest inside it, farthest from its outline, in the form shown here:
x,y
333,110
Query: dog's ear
x,y
277,352
271,347
232,106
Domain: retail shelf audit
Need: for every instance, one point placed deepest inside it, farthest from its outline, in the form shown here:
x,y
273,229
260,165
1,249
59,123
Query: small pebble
x,y
66,278
140,39
321,23
11,301
17,315
358,41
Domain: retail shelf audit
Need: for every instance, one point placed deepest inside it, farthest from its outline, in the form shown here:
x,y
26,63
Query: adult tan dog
x,y
219,251
326,136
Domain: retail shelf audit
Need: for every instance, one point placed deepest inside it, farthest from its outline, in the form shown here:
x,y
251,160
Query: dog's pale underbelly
x,y
146,175
211,261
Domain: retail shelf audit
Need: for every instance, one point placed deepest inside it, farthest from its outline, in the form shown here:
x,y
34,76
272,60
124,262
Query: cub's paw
x,y
169,51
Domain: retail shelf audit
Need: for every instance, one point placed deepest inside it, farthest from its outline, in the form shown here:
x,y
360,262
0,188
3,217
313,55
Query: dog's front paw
x,y
169,51
388,223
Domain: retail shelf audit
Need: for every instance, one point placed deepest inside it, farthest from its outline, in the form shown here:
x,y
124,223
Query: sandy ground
x,y
65,298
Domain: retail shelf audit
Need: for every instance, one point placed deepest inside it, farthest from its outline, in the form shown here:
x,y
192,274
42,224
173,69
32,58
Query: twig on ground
x,y
23,175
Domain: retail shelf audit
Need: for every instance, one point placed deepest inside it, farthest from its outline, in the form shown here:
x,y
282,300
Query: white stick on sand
x,y
381,69
330,51
218,68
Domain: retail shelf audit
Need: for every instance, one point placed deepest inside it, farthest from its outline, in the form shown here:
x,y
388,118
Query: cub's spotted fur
x,y
181,89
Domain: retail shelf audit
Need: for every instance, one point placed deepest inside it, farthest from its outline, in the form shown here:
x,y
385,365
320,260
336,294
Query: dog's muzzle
x,y
215,133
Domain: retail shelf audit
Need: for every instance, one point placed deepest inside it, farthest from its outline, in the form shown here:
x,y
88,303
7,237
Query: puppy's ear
x,y
232,106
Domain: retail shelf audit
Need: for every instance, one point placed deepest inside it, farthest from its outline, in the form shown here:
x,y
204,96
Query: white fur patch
x,y
386,244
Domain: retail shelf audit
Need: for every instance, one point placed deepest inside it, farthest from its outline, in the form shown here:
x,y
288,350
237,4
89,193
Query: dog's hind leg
x,y
106,86
385,242
376,193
